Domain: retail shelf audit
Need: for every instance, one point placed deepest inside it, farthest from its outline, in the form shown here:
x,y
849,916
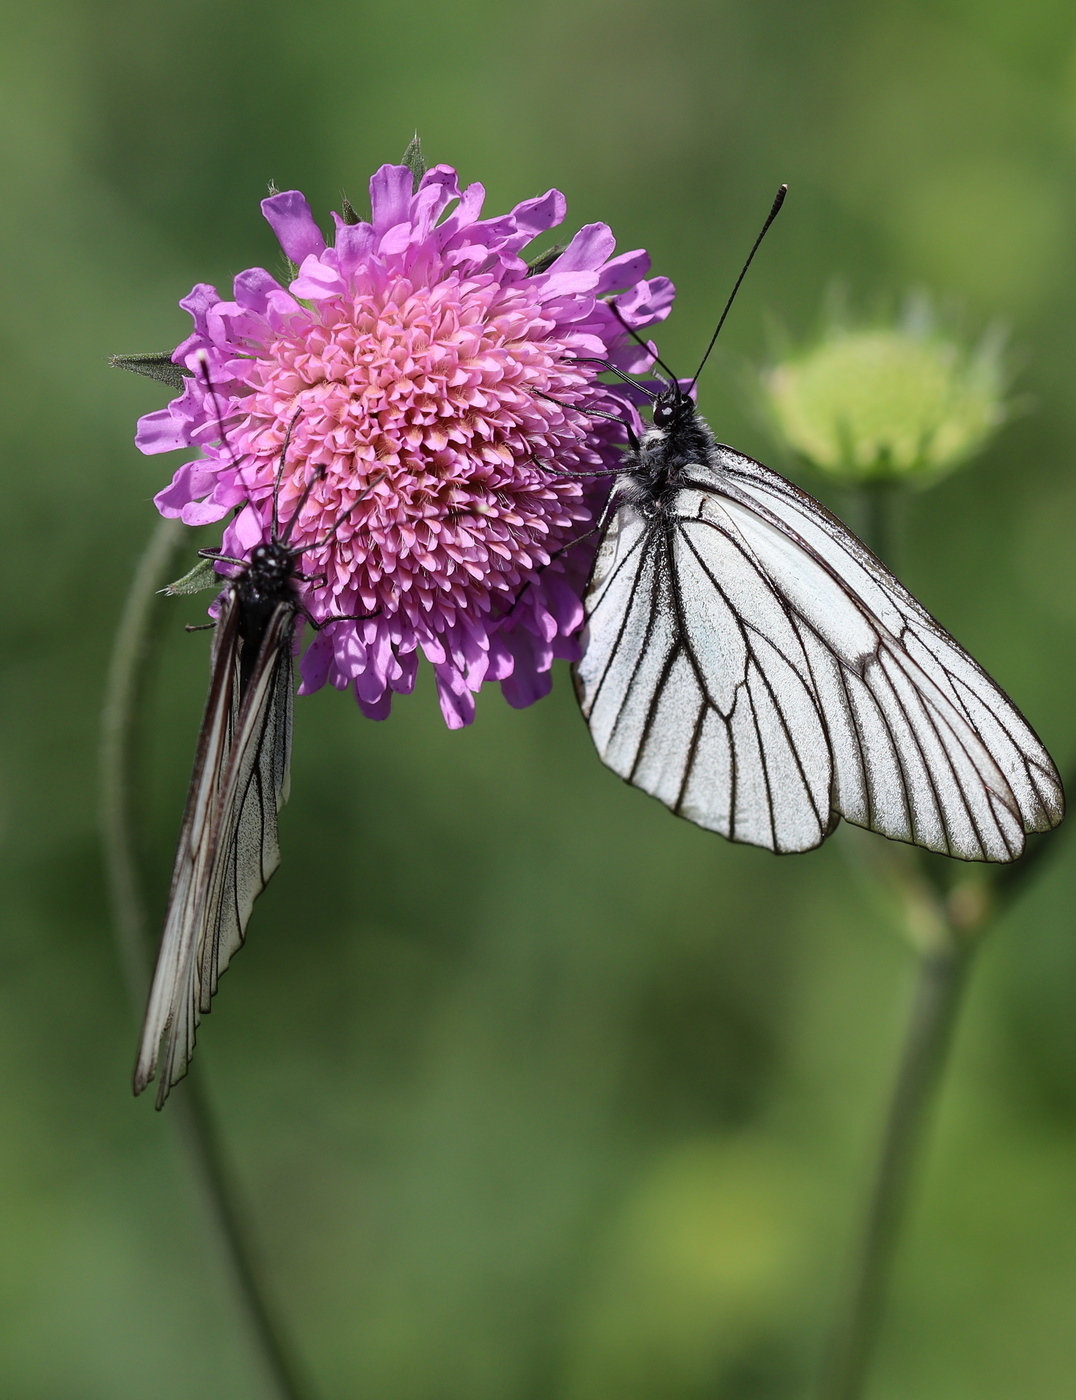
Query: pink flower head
x,y
413,368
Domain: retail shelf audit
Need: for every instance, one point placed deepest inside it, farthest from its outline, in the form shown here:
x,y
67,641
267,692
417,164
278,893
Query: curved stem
x,y
132,654
124,692
941,980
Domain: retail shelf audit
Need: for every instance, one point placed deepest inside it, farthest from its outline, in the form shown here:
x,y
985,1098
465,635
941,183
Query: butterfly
x,y
750,663
228,843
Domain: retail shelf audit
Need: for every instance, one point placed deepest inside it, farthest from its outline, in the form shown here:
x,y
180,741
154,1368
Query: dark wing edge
x,y
228,846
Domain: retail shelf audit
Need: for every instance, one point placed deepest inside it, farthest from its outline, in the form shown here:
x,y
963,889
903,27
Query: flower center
x,y
414,417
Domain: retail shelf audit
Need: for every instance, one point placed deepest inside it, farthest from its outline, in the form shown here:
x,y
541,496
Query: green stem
x,y
958,919
878,500
941,979
125,688
124,693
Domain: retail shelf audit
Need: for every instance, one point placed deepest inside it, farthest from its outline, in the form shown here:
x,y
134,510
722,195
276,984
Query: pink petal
x,y
624,271
291,220
390,196
590,247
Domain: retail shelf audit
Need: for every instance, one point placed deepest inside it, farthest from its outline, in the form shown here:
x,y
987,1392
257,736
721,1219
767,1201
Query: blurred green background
x,y
536,1093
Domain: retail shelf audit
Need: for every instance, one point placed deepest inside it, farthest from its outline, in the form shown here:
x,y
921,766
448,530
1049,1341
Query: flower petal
x,y
390,196
291,220
588,249
624,271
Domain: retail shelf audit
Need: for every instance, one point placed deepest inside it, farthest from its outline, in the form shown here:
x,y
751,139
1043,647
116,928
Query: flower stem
x,y
132,655
879,499
941,979
943,932
124,692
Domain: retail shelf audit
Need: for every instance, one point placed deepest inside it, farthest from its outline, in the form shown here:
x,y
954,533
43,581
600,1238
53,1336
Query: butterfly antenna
x,y
611,369
280,475
203,365
319,472
637,337
732,297
375,480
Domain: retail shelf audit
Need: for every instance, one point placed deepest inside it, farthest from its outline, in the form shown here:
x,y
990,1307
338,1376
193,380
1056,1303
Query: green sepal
x,y
544,261
204,575
414,161
154,366
347,211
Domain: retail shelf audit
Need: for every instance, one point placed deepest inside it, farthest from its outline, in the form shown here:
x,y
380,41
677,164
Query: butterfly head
x,y
672,407
269,572
273,557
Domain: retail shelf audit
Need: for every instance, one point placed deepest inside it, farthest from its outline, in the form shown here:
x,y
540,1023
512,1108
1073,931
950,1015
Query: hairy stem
x,y
941,978
132,656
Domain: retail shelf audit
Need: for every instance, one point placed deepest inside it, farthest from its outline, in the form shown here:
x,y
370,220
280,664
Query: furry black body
x,y
660,464
265,584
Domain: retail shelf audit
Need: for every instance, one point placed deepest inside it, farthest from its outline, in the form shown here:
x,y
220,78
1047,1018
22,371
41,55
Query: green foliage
x,y
153,366
204,575
414,159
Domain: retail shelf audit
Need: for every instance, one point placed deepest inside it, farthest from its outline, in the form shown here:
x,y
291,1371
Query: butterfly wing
x,y
697,688
228,844
921,744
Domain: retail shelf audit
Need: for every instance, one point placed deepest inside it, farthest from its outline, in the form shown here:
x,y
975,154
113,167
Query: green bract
x,y
886,404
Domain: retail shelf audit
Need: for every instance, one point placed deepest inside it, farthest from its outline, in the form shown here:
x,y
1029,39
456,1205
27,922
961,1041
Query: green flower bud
x,y
901,403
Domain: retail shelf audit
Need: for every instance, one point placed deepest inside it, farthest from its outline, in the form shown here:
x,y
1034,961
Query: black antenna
x,y
610,369
280,473
637,337
285,538
732,296
203,365
376,480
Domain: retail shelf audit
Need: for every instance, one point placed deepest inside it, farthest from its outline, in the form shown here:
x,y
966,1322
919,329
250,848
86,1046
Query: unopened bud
x,y
904,402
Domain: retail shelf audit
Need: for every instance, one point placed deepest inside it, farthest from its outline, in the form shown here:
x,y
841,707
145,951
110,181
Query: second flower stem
x,y
942,976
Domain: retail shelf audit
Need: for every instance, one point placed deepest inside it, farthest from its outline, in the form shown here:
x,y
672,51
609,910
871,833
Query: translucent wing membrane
x,y
228,842
755,667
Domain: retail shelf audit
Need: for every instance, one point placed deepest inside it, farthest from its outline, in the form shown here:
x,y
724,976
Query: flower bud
x,y
900,403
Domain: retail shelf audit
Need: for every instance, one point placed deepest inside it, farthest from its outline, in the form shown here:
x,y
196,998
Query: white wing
x,y
228,841
760,671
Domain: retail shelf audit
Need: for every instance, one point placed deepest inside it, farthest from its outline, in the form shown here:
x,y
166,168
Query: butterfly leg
x,y
556,555
222,558
633,440
337,617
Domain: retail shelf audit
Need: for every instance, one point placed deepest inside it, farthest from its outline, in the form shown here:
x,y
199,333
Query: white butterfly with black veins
x,y
752,664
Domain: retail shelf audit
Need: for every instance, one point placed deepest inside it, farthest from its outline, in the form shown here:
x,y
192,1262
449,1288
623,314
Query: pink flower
x,y
412,367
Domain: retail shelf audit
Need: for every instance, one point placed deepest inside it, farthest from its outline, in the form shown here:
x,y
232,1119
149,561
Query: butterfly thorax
x,y
679,440
265,583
